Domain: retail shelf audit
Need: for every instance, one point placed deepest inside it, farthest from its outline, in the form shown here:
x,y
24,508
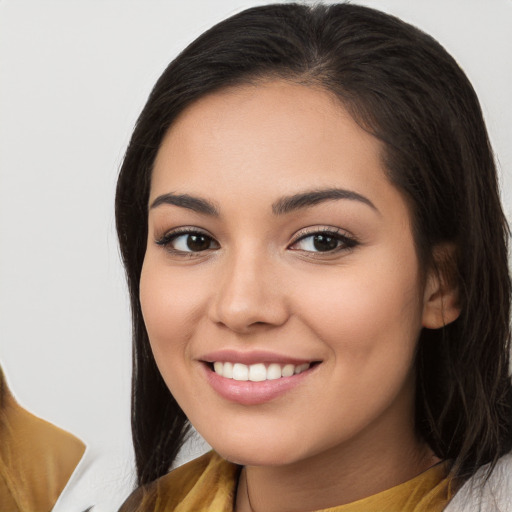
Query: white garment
x,y
102,481
495,495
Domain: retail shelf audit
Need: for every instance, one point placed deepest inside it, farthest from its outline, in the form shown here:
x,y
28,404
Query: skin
x,y
346,431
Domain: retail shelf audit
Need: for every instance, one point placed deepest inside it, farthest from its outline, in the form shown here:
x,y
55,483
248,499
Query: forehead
x,y
268,140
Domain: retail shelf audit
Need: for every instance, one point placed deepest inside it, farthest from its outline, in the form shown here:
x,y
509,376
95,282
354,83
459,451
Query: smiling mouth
x,y
258,372
260,379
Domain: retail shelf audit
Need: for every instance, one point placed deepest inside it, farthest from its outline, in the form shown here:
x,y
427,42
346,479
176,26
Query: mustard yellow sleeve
x,y
36,458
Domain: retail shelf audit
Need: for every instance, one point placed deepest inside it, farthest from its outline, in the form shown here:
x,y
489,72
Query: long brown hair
x,y
405,89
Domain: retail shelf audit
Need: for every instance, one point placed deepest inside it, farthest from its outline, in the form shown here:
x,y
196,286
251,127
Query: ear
x,y
441,304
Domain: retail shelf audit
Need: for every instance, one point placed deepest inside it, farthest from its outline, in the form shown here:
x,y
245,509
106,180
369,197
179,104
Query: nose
x,y
249,295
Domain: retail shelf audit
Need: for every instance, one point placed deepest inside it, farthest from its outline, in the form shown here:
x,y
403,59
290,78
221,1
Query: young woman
x,y
316,254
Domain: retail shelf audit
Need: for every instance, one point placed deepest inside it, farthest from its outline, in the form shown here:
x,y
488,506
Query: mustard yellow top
x,y
36,458
208,484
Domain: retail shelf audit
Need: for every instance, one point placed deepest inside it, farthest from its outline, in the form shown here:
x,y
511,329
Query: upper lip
x,y
252,357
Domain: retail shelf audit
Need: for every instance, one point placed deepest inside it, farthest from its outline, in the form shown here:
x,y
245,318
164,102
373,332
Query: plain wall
x,y
73,77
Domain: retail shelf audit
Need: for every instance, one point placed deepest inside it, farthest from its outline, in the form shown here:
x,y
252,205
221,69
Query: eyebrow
x,y
187,201
310,198
281,207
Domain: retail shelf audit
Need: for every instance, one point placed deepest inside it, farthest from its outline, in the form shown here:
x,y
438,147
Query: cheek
x,y
369,322
171,309
369,314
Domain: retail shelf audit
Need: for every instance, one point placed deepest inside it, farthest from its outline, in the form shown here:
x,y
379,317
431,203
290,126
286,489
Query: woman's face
x,y
279,251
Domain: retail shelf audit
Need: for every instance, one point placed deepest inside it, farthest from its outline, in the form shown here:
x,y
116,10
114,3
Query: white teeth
x,y
257,372
218,367
288,370
273,372
240,371
227,370
301,368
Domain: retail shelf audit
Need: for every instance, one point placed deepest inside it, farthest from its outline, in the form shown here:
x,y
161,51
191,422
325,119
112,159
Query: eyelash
x,y
168,238
344,242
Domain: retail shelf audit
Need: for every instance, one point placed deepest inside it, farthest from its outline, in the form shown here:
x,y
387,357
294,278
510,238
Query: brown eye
x,y
188,242
198,243
324,242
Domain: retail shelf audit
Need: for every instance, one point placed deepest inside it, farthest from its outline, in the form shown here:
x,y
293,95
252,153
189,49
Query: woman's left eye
x,y
323,242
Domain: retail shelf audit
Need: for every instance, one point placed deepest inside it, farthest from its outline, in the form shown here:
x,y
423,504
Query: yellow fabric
x,y
36,458
208,484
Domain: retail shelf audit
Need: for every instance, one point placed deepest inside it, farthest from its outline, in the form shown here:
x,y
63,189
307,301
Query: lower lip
x,y
253,393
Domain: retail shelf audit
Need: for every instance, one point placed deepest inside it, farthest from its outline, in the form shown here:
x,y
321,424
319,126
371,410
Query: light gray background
x,y
73,77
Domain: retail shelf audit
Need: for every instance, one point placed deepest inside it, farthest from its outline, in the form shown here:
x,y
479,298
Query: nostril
x,y
259,323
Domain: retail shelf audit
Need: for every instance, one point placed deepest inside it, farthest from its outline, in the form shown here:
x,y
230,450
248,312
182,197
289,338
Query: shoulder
x,y
26,436
491,495
36,457
205,483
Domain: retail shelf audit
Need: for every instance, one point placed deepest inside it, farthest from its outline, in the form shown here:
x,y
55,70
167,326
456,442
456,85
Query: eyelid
x,y
348,240
170,235
183,230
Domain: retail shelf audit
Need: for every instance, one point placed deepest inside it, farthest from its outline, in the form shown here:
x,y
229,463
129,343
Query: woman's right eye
x,y
188,242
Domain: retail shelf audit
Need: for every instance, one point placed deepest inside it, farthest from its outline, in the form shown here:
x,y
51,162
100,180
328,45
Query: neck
x,y
333,478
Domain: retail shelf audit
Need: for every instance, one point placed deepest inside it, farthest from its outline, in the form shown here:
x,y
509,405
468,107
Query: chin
x,y
250,452
256,457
